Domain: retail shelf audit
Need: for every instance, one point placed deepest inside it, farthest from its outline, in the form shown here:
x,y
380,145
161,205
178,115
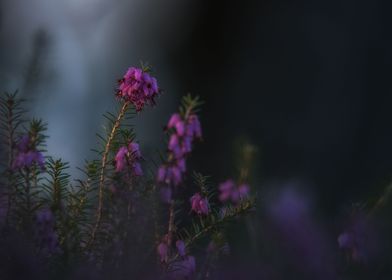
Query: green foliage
x,y
11,119
105,209
190,104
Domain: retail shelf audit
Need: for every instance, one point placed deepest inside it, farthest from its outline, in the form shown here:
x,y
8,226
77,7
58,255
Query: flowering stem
x,y
102,174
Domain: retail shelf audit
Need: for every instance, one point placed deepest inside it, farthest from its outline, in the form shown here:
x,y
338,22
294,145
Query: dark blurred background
x,y
307,82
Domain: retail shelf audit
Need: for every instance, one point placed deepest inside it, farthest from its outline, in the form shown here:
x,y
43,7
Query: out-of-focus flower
x,y
129,156
180,247
183,269
138,87
27,154
243,191
137,169
170,175
297,233
359,238
193,128
120,158
200,204
163,251
174,120
45,235
230,192
161,174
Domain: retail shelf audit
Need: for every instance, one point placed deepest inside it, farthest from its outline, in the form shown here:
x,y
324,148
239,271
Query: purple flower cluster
x,y
138,87
183,269
129,156
180,144
200,204
27,154
163,250
179,269
45,233
230,192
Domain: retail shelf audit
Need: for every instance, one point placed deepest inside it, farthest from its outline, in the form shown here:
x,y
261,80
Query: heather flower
x,y
230,192
186,145
169,175
180,247
134,150
295,231
163,250
243,191
226,188
24,142
181,164
129,156
27,154
180,144
183,269
193,128
137,169
174,119
175,176
200,204
173,142
138,87
120,158
45,234
161,174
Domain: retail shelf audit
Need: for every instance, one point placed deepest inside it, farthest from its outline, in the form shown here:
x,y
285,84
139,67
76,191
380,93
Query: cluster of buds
x,y
129,156
185,130
27,154
138,87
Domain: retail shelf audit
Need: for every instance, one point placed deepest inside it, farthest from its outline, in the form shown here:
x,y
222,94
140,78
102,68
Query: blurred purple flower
x,y
138,87
24,143
173,142
186,146
296,233
174,119
120,158
161,174
193,128
200,204
45,235
183,269
230,192
163,250
137,169
129,156
27,154
180,247
243,191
